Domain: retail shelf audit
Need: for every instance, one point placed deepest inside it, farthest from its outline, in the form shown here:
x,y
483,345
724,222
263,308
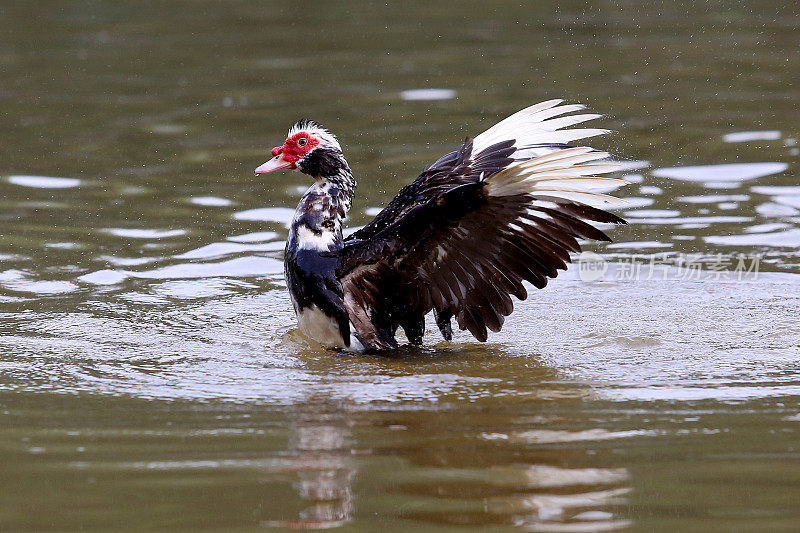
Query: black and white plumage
x,y
508,206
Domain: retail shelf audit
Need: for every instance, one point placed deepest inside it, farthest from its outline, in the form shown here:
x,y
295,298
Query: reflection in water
x,y
556,490
532,496
44,182
319,453
749,136
568,512
427,94
564,499
731,172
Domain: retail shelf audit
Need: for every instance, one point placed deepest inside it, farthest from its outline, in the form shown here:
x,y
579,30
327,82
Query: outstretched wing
x,y
507,206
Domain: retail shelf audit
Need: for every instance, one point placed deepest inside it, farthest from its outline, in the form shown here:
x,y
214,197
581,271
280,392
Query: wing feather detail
x,y
507,207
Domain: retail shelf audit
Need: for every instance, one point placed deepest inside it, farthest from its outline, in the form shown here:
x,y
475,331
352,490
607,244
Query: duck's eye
x,y
302,141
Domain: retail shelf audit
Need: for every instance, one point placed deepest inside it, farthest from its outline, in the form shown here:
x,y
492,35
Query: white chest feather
x,y
308,240
324,329
320,327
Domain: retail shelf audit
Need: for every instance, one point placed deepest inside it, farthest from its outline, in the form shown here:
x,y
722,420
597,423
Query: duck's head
x,y
309,148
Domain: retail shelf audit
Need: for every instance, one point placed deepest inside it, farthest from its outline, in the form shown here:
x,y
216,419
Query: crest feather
x,y
311,127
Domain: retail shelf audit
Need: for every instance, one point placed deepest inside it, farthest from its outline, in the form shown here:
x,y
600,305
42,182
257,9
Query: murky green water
x,y
151,377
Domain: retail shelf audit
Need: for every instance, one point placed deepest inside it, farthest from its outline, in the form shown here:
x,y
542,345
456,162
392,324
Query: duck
x,y
505,207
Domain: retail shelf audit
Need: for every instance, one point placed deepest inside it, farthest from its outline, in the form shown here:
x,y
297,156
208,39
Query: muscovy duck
x,y
507,206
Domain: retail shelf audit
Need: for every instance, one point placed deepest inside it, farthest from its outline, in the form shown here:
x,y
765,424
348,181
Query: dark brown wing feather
x,y
446,244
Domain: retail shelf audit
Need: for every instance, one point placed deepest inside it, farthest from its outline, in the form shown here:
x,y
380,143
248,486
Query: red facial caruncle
x,y
289,153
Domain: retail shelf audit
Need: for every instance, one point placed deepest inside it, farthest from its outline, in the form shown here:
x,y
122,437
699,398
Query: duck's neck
x,y
342,184
318,220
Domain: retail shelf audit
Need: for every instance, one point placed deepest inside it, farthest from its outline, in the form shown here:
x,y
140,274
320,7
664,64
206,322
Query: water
x,y
151,374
